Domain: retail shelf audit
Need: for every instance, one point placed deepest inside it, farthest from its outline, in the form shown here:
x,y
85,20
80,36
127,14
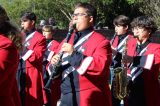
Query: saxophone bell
x,y
120,80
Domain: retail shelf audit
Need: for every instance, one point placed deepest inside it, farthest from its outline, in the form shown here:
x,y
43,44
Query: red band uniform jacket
x,y
33,57
90,74
149,62
117,44
52,46
9,58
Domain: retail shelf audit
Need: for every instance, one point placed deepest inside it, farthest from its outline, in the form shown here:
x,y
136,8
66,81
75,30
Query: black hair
x,y
3,15
91,10
121,20
8,30
144,22
29,15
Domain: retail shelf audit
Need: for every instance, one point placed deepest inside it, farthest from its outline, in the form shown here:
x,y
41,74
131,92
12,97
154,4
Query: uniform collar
x,y
31,31
122,36
85,32
141,46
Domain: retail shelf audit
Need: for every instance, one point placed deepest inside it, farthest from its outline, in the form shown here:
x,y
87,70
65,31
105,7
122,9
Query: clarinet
x,y
55,67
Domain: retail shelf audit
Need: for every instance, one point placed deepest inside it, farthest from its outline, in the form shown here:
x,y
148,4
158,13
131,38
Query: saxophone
x,y
120,80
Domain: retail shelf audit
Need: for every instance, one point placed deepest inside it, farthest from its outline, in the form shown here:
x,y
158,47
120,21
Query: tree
x,y
151,8
57,9
14,9
61,10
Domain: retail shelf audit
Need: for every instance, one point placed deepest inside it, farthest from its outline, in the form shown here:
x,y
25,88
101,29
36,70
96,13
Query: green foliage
x,y
14,8
151,8
131,1
61,10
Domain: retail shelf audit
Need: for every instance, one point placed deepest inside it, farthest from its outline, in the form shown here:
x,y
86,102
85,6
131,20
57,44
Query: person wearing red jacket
x,y
10,45
30,68
52,45
121,36
85,62
48,31
144,86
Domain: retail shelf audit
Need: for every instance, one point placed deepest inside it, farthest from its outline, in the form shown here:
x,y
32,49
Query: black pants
x,y
136,96
70,99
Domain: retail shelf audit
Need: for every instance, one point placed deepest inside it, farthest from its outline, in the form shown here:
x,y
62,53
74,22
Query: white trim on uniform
x,y
149,61
27,55
85,64
51,53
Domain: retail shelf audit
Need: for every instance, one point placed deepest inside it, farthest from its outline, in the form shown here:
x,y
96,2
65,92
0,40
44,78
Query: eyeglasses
x,y
79,14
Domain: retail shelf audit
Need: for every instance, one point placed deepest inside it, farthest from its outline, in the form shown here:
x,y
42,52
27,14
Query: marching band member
x,y
144,87
85,62
52,45
10,46
30,75
121,36
48,31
